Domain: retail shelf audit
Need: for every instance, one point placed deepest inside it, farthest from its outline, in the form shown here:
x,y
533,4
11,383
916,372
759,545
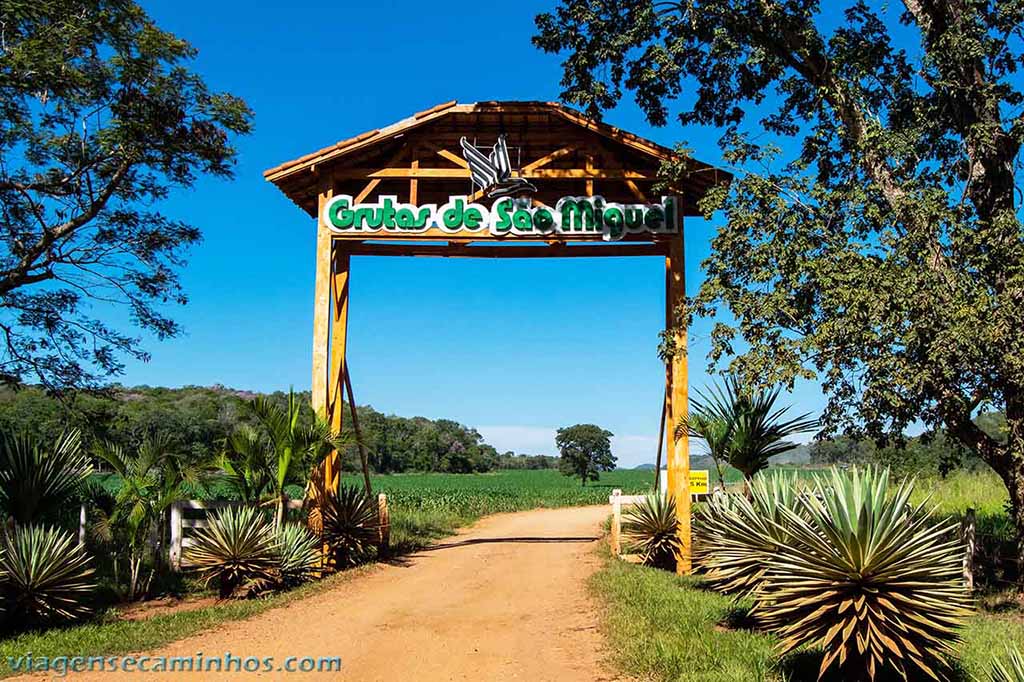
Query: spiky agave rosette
x,y
650,528
46,575
735,535
868,578
350,525
1010,670
237,550
299,554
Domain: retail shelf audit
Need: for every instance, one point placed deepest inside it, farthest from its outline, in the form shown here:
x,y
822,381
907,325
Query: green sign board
x,y
571,216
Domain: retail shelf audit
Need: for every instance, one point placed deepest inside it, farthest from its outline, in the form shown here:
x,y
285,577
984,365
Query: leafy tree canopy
x,y
872,238
100,117
586,451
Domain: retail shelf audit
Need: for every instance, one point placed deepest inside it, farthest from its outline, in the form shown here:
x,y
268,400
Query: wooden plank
x,y
679,449
370,186
414,183
445,154
436,234
321,303
616,530
590,180
511,251
548,158
339,340
538,173
637,192
364,459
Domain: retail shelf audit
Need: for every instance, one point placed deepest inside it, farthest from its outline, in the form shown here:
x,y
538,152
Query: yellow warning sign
x,y
699,482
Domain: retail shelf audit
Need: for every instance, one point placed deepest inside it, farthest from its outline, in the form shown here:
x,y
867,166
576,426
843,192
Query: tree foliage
x,y
100,117
872,239
586,451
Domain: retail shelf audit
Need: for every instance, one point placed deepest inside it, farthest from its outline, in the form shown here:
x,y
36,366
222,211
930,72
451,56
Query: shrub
x,y
350,526
866,577
1012,670
735,536
298,554
651,530
237,551
46,576
38,479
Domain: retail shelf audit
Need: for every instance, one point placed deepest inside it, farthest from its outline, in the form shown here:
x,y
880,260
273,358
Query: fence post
x,y
968,531
384,524
616,500
81,525
174,551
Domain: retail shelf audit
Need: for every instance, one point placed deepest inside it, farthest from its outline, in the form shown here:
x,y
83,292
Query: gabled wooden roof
x,y
565,142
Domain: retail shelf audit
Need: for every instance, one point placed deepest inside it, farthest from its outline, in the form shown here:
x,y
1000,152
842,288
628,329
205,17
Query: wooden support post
x,y
339,338
174,552
322,304
968,531
616,530
661,442
359,434
678,450
82,518
384,524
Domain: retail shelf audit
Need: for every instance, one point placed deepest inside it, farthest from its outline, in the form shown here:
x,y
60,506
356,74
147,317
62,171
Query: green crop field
x,y
503,491
425,507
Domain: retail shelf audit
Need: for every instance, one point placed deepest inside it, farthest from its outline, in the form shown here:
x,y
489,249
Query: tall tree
x,y
585,450
99,118
872,236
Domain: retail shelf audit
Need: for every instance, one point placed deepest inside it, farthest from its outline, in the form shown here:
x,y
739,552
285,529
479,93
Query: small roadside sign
x,y
699,482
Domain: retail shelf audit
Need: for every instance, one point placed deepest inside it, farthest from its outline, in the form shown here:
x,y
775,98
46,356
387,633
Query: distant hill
x,y
801,455
644,467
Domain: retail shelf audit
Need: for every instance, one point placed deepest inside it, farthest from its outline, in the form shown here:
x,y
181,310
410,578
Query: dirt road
x,y
504,600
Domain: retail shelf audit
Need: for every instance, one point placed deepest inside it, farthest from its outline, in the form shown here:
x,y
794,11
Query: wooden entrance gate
x,y
494,180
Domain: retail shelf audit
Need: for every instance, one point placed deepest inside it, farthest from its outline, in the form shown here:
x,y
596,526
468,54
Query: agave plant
x,y
237,551
46,576
866,577
735,536
37,479
350,526
651,530
1010,671
298,554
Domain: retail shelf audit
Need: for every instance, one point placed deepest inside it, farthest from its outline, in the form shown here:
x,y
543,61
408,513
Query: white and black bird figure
x,y
493,173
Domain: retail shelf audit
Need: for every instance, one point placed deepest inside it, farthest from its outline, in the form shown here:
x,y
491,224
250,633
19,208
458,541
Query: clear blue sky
x,y
515,349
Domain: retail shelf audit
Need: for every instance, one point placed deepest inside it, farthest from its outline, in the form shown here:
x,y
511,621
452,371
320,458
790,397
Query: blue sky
x,y
515,349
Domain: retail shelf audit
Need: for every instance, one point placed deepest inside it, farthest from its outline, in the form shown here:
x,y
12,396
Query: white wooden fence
x,y
181,525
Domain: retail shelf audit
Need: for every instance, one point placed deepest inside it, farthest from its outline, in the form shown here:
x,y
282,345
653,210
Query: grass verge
x,y
665,628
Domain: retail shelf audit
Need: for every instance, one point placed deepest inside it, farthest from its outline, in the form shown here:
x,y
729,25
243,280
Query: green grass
x,y
662,627
668,629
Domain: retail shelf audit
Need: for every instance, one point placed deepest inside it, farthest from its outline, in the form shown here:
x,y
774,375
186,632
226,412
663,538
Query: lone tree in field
x,y
99,118
872,236
586,451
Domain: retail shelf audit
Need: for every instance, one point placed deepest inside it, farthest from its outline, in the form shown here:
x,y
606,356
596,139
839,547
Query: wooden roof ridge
x,y
418,119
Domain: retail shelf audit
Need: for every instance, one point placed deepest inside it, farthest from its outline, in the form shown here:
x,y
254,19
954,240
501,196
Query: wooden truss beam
x,y
536,173
456,250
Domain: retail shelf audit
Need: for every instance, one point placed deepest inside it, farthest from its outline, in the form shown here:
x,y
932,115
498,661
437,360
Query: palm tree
x,y
714,431
152,478
264,459
757,430
37,480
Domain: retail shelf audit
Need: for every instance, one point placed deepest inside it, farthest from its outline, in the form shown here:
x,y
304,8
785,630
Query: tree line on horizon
x,y
196,420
